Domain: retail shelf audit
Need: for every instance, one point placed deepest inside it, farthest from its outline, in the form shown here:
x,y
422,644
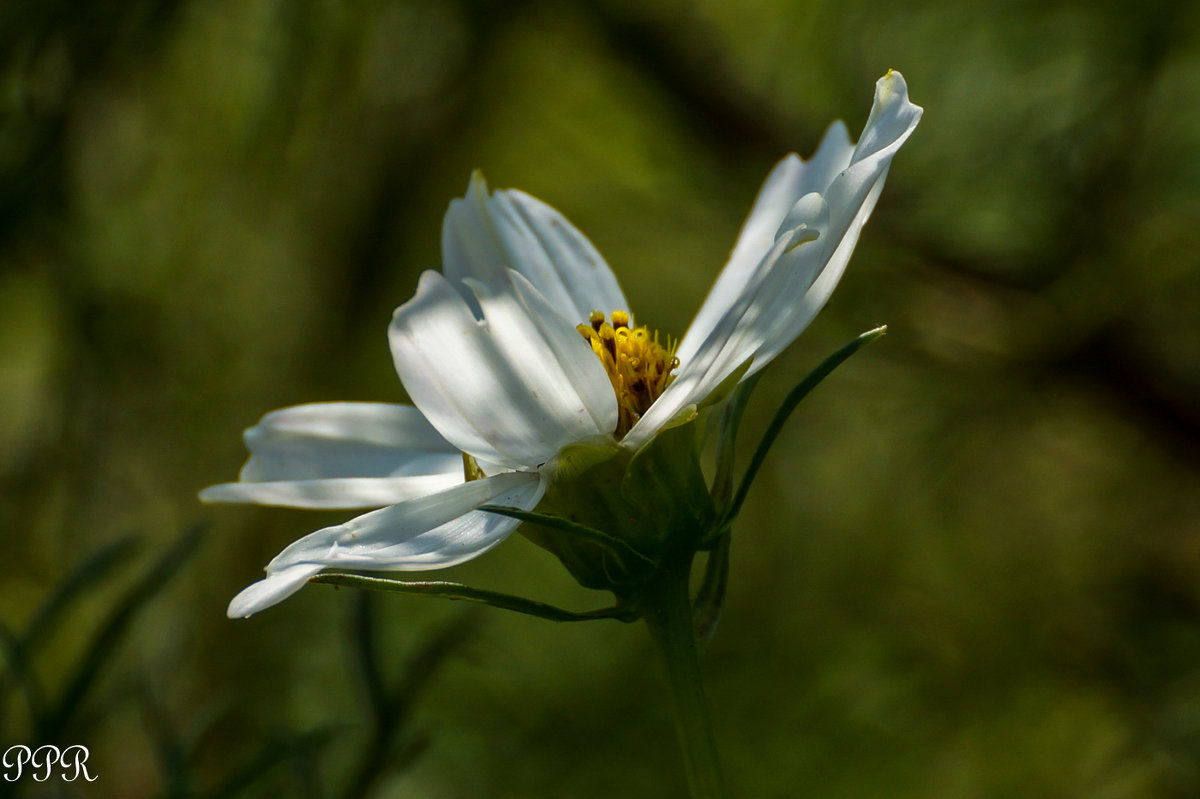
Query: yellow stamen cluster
x,y
638,366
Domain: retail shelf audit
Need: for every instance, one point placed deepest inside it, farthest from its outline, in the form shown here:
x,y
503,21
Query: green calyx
x,y
626,512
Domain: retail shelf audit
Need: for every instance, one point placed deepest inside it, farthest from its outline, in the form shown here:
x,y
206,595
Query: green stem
x,y
668,614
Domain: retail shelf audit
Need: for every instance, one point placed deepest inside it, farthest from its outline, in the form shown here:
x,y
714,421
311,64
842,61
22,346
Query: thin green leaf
x,y
801,390
614,546
23,679
153,580
458,591
271,756
97,566
367,655
392,747
170,751
18,648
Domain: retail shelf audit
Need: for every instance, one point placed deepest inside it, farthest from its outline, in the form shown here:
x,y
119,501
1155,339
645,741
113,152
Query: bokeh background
x,y
971,567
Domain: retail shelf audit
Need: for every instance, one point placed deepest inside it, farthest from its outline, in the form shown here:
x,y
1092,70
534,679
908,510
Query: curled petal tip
x,y
893,80
893,88
477,189
239,608
271,590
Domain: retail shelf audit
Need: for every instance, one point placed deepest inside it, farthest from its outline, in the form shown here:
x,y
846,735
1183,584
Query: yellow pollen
x,y
638,367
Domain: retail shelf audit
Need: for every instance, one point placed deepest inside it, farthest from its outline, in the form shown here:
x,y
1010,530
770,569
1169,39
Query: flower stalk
x,y
668,614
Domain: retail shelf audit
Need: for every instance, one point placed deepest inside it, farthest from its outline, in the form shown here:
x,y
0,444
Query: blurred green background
x,y
971,567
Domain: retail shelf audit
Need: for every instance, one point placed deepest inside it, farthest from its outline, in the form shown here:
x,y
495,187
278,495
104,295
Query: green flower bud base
x,y
641,509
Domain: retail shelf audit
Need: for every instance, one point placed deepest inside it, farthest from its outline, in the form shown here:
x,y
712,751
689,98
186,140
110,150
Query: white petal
x,y
583,371
564,266
379,423
335,493
853,193
471,245
851,197
509,388
771,303
786,272
279,458
342,455
791,179
272,590
346,439
433,532
484,236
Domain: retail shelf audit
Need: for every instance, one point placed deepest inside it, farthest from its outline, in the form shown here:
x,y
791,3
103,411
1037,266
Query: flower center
x,y
638,366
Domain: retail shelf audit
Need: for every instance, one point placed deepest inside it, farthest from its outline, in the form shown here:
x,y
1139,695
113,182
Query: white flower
x,y
490,351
